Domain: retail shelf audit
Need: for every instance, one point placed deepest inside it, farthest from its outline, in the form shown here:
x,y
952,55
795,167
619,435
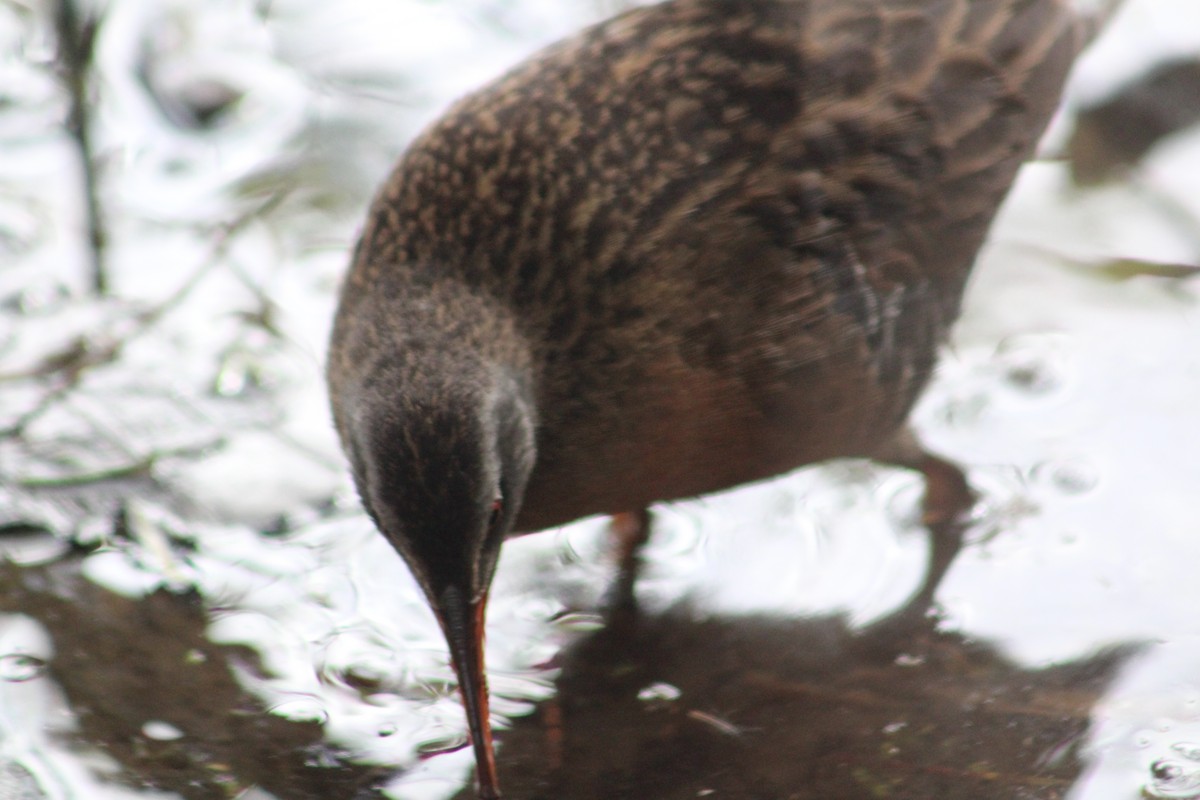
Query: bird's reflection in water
x,y
686,704
683,706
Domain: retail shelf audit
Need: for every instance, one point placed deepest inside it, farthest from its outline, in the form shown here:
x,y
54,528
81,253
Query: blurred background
x,y
192,604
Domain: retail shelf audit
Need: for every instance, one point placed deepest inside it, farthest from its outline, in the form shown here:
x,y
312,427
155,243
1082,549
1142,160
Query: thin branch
x,y
76,36
72,358
1097,14
47,402
70,363
81,353
139,468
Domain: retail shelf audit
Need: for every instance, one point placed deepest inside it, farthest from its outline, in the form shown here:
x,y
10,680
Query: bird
x,y
694,246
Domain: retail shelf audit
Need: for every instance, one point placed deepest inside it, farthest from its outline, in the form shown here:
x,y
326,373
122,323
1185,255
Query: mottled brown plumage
x,y
700,244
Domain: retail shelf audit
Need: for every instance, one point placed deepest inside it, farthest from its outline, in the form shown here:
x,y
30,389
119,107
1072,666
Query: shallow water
x,y
192,605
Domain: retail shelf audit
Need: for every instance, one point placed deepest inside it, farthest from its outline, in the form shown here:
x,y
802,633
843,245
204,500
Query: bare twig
x,y
75,39
81,353
1098,14
69,364
140,468
21,424
219,249
71,359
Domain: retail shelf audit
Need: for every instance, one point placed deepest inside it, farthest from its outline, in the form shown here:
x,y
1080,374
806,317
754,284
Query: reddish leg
x,y
945,511
630,530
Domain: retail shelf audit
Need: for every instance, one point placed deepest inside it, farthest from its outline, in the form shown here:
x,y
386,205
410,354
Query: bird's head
x,y
441,468
443,477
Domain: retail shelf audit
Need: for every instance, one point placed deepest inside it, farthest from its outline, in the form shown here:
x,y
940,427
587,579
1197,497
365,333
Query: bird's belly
x,y
691,438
